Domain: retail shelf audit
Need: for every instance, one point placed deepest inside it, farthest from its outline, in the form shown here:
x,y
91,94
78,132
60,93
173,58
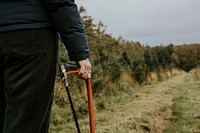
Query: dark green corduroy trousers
x,y
28,60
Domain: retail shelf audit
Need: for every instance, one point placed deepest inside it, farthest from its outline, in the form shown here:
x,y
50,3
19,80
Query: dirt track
x,y
146,110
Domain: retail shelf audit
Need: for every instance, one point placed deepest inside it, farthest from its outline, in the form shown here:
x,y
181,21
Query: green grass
x,y
186,117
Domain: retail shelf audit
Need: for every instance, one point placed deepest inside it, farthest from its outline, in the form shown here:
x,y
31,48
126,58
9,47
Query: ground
x,y
151,109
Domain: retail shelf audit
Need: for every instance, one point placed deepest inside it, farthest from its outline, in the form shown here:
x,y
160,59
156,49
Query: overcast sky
x,y
152,22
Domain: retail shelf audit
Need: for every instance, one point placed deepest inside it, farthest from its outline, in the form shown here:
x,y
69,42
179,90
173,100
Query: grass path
x,y
148,109
186,116
157,108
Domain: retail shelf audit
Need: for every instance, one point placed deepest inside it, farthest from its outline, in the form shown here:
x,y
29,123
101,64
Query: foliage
x,y
187,57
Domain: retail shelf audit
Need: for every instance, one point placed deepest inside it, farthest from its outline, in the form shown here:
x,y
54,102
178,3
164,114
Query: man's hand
x,y
85,68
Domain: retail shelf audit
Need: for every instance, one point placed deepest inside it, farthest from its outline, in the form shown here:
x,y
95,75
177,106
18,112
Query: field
x,y
170,106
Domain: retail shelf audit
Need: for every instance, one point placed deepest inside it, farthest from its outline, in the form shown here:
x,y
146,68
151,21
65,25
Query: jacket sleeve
x,y
66,19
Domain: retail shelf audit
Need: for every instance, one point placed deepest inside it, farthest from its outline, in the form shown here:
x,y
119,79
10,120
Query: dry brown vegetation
x,y
196,73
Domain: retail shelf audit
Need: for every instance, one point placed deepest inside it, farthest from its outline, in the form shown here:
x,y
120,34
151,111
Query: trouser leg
x,y
29,83
2,96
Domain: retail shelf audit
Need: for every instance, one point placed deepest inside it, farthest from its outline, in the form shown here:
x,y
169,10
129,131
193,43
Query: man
x,y
28,59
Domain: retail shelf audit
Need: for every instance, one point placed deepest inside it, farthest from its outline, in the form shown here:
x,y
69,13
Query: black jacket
x,y
61,14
